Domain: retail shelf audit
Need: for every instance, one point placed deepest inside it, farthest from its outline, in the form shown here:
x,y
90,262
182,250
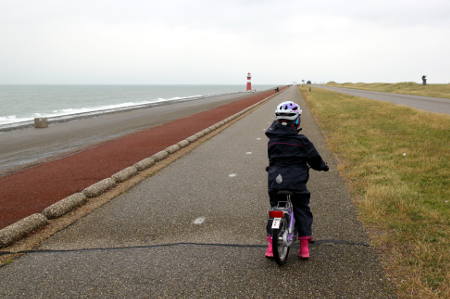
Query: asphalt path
x,y
146,243
437,105
28,146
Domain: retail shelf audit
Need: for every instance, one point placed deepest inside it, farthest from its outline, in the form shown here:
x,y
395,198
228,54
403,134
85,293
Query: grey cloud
x,y
55,39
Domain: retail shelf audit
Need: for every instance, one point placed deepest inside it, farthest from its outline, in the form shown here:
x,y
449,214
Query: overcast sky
x,y
218,42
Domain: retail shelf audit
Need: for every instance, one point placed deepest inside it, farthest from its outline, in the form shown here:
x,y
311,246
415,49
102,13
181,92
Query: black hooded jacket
x,y
290,156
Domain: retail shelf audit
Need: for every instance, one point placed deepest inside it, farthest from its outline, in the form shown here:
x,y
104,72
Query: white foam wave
x,y
11,119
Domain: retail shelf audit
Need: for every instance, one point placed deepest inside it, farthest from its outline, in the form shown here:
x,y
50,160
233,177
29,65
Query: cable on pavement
x,y
316,243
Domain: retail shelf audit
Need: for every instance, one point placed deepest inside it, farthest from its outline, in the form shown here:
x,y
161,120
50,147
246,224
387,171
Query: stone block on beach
x,y
99,187
40,123
64,206
21,228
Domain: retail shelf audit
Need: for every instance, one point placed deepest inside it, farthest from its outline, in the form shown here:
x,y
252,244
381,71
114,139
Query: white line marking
x,y
199,220
248,153
259,138
232,175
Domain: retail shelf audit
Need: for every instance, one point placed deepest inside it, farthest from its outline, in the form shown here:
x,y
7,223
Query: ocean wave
x,y
10,119
67,112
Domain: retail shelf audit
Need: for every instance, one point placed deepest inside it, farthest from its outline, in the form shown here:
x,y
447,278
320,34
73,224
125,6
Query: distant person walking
x,y
424,80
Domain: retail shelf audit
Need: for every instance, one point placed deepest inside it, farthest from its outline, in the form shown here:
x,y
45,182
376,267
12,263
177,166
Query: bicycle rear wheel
x,y
279,242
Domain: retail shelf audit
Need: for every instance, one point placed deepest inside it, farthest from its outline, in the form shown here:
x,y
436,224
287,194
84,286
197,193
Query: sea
x,y
20,104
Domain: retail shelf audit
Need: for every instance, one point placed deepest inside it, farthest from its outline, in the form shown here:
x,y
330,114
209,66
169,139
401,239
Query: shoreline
x,y
81,115
27,146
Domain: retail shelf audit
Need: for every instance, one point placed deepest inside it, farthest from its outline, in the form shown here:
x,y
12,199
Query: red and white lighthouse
x,y
249,82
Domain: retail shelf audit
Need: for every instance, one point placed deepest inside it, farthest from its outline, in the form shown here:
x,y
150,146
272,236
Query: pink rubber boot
x,y
303,251
269,252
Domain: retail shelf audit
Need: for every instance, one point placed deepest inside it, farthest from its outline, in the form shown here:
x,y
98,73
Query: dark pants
x,y
302,212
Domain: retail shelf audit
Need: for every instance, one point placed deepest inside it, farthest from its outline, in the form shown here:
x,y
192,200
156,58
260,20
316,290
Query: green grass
x,y
430,90
396,161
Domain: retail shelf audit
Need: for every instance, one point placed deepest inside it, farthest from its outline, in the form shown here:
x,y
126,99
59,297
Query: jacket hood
x,y
277,129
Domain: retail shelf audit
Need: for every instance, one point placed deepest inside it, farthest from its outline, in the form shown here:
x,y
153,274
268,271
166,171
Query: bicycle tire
x,y
280,250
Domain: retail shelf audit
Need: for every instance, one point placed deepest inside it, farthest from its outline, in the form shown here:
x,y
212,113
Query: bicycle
x,y
283,227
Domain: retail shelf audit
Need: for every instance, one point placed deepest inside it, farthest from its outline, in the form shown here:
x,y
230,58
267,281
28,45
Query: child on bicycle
x,y
290,156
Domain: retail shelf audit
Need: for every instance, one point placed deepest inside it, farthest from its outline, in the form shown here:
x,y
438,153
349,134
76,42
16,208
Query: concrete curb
x,y
173,148
21,228
199,134
64,206
145,163
183,143
192,138
99,187
160,155
125,174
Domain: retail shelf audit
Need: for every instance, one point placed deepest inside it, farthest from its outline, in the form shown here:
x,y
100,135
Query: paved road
x,y
437,105
24,147
140,237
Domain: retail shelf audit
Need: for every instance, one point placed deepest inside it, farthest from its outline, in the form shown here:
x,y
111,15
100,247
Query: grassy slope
x,y
397,163
430,90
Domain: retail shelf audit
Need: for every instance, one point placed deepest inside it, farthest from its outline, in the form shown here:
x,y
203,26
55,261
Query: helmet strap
x,y
297,124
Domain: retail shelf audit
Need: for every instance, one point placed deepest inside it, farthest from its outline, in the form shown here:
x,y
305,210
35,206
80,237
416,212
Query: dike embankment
x,y
49,190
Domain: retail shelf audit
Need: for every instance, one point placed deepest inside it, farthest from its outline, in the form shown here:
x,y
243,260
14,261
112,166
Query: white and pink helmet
x,y
288,110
